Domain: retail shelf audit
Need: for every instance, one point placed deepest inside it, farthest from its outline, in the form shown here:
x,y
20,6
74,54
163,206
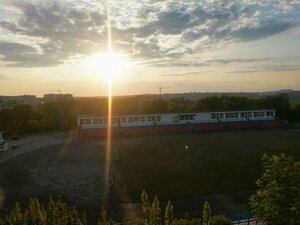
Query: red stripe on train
x,y
139,132
241,126
208,127
175,129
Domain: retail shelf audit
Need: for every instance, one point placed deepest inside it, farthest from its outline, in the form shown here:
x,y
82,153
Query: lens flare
x,y
107,174
107,170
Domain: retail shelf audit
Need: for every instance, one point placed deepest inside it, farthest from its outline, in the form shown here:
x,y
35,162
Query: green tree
x,y
277,200
212,103
206,214
295,113
55,213
220,220
155,213
146,207
151,211
23,112
105,219
280,103
169,214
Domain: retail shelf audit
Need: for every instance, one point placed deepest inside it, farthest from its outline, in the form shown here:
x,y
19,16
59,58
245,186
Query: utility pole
x,y
160,88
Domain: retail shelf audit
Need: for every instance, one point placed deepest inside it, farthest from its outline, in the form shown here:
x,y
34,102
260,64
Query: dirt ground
x,y
74,169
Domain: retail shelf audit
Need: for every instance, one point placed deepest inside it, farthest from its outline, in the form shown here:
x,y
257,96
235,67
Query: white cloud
x,y
144,29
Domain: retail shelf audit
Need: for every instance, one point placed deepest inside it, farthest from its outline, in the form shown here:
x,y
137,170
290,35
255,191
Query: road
x,y
31,143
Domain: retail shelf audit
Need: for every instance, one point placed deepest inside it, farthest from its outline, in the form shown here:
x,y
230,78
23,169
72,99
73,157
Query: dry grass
x,y
213,162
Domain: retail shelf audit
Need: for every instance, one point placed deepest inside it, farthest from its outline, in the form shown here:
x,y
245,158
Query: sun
x,y
109,66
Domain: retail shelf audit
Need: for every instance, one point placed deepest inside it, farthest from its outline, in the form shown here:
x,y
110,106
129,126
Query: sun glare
x,y
109,66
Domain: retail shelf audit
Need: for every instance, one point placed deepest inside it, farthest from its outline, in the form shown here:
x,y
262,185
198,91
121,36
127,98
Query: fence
x,y
251,221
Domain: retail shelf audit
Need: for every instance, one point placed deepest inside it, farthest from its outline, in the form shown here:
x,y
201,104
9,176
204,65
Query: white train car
x,y
89,125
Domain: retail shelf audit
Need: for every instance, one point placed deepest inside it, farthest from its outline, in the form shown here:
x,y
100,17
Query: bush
x,y
55,213
220,220
32,126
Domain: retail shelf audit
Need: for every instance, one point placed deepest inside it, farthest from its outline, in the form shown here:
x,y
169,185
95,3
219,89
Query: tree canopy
x,y
277,200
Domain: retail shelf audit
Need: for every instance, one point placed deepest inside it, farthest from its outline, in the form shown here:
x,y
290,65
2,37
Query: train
x,y
151,124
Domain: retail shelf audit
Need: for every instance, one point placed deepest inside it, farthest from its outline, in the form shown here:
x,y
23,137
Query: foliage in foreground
x,y
277,200
55,213
59,213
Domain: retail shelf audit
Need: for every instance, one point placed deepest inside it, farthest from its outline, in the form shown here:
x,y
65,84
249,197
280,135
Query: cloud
x,y
2,77
242,71
262,30
184,74
61,32
25,55
164,30
231,60
207,63
267,68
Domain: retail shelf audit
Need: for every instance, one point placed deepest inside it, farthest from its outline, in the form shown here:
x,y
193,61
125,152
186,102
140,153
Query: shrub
x,y
220,220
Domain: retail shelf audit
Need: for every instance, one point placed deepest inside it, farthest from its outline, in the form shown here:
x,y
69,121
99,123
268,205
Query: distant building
x,y
286,90
57,97
10,101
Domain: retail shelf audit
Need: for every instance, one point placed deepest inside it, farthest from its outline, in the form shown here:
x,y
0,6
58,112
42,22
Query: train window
x,y
100,120
149,118
227,115
242,115
262,114
221,115
255,114
236,115
249,114
213,116
130,119
157,118
192,117
142,119
136,119
105,120
88,121
231,115
272,113
123,119
268,113
82,121
113,120
95,120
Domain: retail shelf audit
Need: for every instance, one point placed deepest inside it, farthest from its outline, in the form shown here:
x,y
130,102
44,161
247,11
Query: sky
x,y
182,46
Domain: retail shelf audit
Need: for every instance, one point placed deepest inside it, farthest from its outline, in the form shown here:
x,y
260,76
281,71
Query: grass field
x,y
212,162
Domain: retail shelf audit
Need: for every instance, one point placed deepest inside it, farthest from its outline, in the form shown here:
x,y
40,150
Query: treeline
x,y
61,115
57,212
